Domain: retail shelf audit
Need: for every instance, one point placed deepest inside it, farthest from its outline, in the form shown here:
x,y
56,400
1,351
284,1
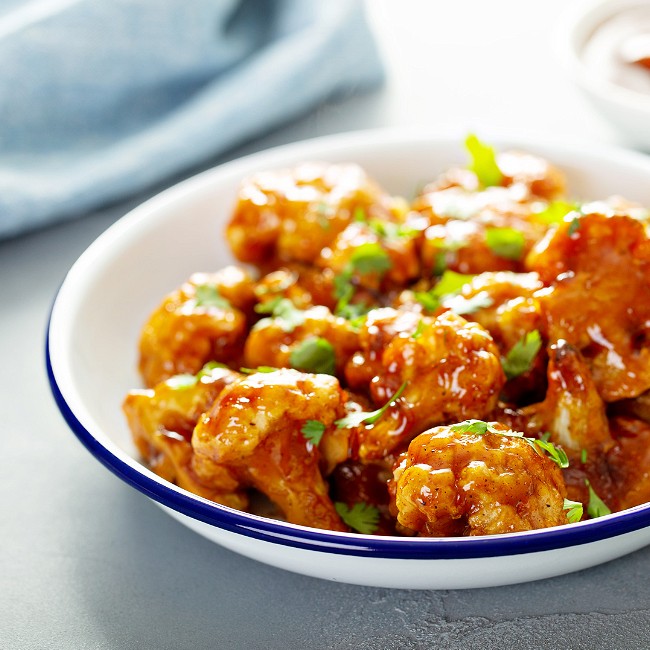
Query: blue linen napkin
x,y
102,98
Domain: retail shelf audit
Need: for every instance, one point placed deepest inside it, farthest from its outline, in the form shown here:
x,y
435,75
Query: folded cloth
x,y
100,99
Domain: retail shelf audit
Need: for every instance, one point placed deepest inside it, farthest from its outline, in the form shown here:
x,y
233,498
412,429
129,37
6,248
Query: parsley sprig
x,y
480,428
362,517
186,380
358,418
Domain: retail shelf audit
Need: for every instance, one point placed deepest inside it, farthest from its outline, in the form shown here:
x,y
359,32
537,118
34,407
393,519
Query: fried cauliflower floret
x,y
629,464
599,271
205,320
254,429
162,421
374,261
304,285
291,214
450,483
278,342
450,370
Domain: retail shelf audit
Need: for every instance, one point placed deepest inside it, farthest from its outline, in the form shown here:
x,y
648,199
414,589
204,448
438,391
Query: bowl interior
x,y
110,291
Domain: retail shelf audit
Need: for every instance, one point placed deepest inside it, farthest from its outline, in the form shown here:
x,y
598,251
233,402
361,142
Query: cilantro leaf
x,y
596,507
285,314
207,295
574,511
522,355
314,354
555,211
357,418
370,258
480,428
573,227
483,161
313,431
361,517
583,456
182,381
418,330
449,284
253,371
461,305
476,427
506,242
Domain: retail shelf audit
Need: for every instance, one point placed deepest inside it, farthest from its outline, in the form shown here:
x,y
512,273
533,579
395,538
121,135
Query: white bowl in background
x,y
626,109
110,291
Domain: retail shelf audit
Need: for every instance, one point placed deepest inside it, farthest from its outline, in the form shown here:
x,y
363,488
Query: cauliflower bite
x,y
162,421
599,271
283,341
255,430
205,320
450,370
452,483
291,214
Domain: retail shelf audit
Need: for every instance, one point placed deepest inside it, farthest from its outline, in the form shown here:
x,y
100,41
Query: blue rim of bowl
x,y
313,539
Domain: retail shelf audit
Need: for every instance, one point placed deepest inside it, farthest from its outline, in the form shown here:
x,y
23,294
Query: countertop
x,y
88,562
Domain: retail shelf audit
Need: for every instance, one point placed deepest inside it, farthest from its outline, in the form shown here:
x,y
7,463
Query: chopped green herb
x,y
418,330
313,431
353,312
461,305
573,227
555,211
207,295
391,230
439,263
253,371
448,285
596,507
483,162
506,242
583,456
359,214
370,258
451,282
207,369
284,312
428,300
480,428
314,354
546,436
556,454
361,517
522,355
368,417
574,511
182,381
476,427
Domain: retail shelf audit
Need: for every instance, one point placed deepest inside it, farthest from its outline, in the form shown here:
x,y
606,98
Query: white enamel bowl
x,y
115,284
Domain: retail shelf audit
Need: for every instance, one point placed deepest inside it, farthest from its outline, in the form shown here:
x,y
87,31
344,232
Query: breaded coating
x,y
205,320
254,429
273,341
450,367
599,271
450,484
291,214
162,420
